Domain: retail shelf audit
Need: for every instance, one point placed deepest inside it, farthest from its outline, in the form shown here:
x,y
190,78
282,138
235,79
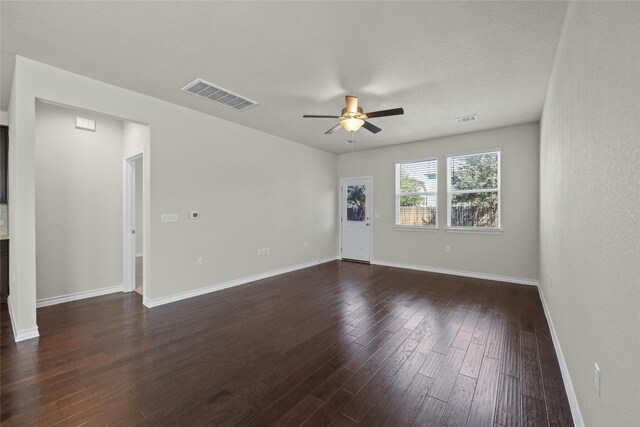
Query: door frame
x,y
370,196
128,239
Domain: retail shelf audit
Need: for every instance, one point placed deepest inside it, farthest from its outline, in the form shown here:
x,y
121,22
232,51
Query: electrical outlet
x,y
199,261
259,252
263,251
596,378
447,248
306,245
268,251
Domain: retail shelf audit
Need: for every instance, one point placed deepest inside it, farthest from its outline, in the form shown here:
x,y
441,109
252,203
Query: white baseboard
x,y
485,276
566,378
150,303
77,296
26,334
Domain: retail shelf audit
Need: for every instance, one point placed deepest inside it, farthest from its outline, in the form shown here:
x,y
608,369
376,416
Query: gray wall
x,y
78,202
252,189
512,254
590,204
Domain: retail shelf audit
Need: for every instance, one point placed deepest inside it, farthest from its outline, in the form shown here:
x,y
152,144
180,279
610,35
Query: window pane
x,y
474,172
356,198
416,210
418,177
475,210
411,178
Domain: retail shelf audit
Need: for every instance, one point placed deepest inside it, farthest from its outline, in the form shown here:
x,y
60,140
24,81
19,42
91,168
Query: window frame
x,y
451,193
397,195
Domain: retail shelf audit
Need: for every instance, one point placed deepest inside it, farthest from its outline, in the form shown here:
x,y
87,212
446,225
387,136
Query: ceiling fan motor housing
x,y
347,114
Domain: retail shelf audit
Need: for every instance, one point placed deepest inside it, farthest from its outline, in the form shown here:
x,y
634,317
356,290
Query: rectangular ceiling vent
x,y
213,93
465,119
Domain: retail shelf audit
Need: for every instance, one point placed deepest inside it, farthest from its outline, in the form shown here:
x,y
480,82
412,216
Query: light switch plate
x,y
169,218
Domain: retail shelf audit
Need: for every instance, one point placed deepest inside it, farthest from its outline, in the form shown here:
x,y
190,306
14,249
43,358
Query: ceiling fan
x,y
353,118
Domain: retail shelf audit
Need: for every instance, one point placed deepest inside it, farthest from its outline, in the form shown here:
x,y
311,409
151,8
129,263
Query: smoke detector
x,y
465,119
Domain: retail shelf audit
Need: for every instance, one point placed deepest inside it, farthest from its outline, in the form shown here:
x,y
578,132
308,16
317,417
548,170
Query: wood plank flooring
x,y
340,344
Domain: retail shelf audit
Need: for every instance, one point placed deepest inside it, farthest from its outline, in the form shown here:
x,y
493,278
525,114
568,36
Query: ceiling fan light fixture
x,y
352,124
353,117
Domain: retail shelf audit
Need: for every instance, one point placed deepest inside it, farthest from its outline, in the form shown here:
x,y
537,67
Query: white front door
x,y
355,218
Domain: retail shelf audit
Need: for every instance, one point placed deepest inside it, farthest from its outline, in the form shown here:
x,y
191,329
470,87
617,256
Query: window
x,y
473,191
417,193
356,206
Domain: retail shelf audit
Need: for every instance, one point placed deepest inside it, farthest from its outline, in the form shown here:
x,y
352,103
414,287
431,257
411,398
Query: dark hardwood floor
x,y
336,344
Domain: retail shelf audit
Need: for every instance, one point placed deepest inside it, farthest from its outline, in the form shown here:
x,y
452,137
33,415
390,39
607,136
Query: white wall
x,y
512,254
78,202
4,118
136,137
252,190
21,198
590,204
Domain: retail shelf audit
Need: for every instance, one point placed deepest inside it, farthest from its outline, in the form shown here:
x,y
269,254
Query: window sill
x,y
474,230
415,228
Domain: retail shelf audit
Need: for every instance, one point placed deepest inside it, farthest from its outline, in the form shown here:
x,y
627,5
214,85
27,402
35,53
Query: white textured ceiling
x,y
438,60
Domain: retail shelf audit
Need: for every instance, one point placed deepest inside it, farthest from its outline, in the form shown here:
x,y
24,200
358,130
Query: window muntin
x,y
473,191
417,193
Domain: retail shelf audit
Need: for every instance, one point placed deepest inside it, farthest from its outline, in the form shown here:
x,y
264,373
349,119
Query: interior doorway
x,y
134,224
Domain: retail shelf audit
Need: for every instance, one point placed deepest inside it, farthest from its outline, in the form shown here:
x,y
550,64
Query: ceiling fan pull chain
x,y
353,159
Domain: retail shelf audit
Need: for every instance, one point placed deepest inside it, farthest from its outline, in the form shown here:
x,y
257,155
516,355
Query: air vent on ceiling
x,y
213,93
465,119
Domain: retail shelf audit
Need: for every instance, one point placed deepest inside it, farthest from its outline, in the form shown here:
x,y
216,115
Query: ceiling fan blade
x,y
352,104
333,129
371,128
311,116
384,113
